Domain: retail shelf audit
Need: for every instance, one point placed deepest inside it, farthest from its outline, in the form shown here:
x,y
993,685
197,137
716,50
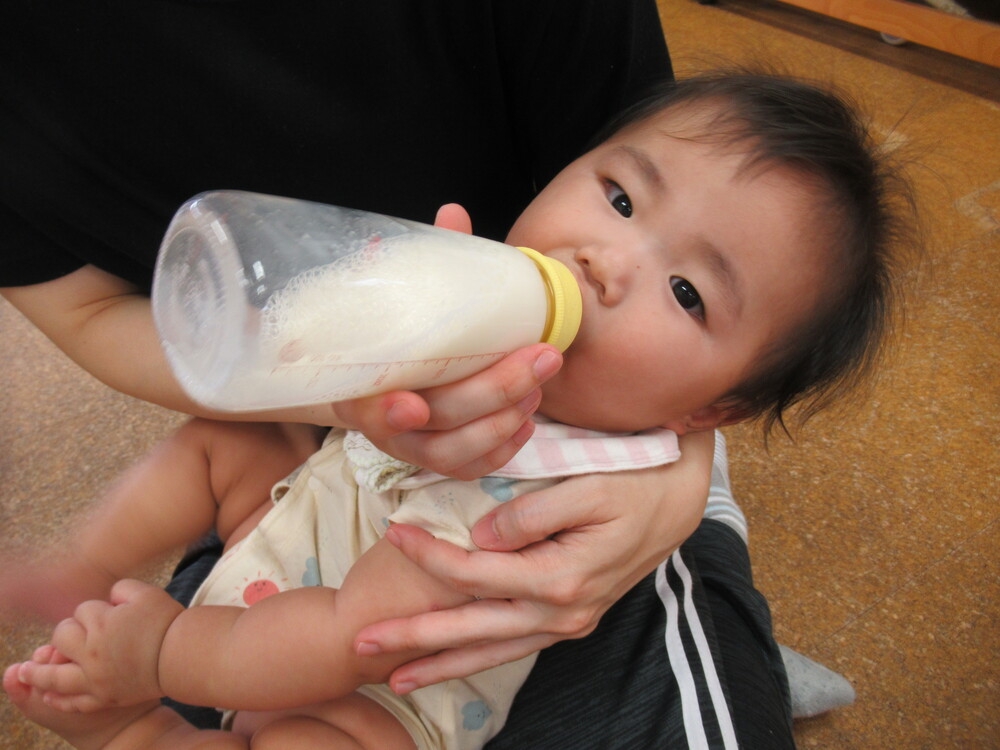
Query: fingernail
x,y
546,364
400,416
366,648
485,534
403,688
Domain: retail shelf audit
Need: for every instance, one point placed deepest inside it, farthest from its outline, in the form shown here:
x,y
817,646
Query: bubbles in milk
x,y
336,310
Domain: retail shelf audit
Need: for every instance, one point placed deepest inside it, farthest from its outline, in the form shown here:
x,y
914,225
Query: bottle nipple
x,y
565,300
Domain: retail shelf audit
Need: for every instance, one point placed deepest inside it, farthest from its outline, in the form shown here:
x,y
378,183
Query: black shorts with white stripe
x,y
685,660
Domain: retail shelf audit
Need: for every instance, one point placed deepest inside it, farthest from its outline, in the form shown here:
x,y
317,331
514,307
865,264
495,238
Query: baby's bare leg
x,y
353,722
207,473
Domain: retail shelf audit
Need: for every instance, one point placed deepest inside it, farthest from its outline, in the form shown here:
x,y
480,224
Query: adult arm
x,y
465,429
551,565
105,325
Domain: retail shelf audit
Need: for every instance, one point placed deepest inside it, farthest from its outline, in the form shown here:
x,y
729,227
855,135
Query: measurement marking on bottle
x,y
316,362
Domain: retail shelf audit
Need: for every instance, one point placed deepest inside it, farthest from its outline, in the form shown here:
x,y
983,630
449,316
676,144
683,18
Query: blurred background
x,y
873,534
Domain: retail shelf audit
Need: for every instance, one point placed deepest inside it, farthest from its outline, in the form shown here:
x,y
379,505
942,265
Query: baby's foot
x,y
89,731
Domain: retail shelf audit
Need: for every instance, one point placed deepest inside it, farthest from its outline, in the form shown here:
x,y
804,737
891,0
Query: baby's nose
x,y
603,268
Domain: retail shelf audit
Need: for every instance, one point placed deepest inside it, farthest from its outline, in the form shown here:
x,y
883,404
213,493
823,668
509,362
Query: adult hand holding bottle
x,y
465,429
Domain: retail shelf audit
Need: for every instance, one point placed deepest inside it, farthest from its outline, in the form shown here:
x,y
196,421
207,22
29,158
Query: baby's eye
x,y
687,296
618,199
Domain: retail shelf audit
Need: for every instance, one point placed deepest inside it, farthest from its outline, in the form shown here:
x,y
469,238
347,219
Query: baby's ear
x,y
708,418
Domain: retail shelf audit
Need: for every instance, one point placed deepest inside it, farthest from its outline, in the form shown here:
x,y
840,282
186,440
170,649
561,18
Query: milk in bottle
x,y
263,302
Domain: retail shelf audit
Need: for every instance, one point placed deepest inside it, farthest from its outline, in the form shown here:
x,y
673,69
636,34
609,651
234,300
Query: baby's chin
x,y
591,416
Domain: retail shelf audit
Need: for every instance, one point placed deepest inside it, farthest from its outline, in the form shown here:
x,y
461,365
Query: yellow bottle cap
x,y
565,300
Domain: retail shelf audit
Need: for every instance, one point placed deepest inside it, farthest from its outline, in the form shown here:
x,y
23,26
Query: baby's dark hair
x,y
783,121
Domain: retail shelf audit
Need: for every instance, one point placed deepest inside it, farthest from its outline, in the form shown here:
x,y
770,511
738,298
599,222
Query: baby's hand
x,y
107,654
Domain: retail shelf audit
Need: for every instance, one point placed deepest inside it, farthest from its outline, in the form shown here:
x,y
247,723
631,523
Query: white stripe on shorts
x,y
690,706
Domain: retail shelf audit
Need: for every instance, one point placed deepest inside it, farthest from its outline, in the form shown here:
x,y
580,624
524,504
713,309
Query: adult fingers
x,y
536,516
508,383
494,458
554,572
454,217
458,663
475,623
464,429
384,415
469,451
486,575
511,382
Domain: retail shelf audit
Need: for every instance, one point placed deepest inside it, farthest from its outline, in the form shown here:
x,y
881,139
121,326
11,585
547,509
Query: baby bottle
x,y
264,302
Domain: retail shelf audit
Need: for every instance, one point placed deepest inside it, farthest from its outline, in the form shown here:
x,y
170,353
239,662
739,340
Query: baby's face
x,y
689,269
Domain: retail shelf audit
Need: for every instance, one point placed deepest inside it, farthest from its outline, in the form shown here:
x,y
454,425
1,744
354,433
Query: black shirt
x,y
113,112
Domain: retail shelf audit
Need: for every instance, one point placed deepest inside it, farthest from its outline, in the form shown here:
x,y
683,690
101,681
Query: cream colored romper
x,y
323,521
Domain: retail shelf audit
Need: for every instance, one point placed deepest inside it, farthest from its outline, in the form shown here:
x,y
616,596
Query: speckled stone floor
x,y
874,535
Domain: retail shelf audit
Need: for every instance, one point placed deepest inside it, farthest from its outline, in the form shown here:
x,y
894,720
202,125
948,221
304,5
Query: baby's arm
x,y
288,650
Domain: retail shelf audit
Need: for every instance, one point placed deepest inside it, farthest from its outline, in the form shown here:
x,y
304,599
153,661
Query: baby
x,y
729,236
